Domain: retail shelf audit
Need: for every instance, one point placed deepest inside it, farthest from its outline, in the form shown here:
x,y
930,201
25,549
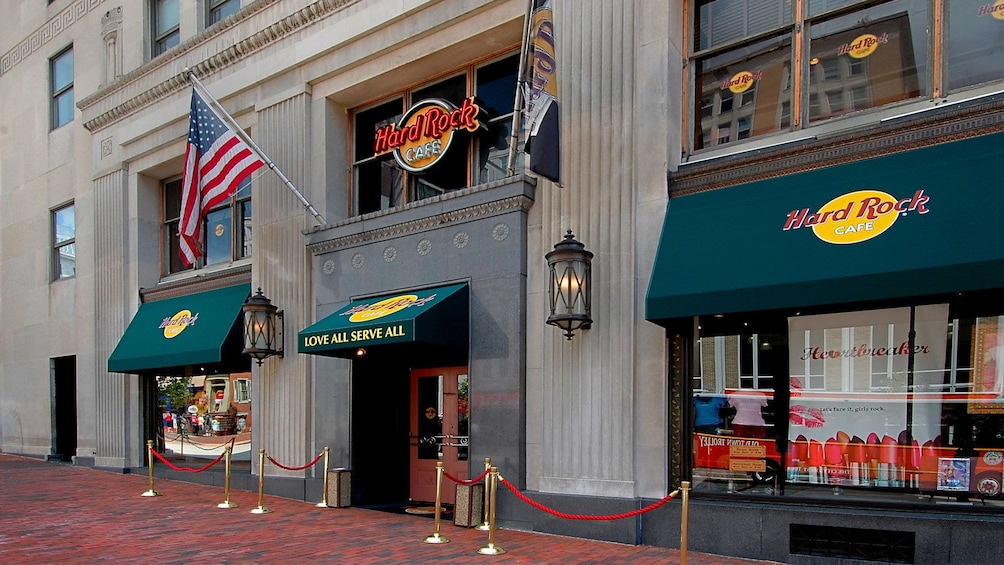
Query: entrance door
x,y
439,430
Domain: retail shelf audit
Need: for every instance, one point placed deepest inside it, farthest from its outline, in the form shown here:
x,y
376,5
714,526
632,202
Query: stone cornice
x,y
224,58
198,283
521,203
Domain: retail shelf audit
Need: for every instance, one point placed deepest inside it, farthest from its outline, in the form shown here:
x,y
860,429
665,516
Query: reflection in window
x,y
64,237
61,79
975,43
226,230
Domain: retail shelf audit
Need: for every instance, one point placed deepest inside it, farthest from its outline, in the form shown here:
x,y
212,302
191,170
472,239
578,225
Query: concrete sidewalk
x,y
59,513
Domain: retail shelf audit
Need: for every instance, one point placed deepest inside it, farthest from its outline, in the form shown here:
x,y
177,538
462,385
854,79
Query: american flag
x,y
216,161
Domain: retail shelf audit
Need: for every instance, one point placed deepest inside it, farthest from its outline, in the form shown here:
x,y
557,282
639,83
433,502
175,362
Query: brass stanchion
x,y
435,537
324,498
149,456
685,487
226,485
491,548
483,526
261,485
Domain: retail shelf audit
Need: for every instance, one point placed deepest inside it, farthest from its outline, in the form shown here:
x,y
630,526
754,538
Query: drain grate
x,y
852,543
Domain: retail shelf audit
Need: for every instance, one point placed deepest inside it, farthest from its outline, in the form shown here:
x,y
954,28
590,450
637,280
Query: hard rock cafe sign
x,y
424,133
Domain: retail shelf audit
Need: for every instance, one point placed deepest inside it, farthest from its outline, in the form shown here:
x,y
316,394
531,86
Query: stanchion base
x,y
322,504
491,549
436,538
150,492
260,510
483,527
227,504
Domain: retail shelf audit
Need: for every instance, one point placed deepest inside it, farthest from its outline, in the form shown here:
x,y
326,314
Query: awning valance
x,y
433,316
925,221
199,329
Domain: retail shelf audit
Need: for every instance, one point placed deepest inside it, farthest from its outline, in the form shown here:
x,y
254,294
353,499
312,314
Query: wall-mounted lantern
x,y
570,266
262,328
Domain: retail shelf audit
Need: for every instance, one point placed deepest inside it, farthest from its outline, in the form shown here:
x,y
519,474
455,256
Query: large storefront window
x,y
226,230
471,158
858,55
901,405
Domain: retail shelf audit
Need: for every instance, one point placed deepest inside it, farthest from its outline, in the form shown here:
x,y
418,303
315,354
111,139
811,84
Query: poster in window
x,y
953,473
987,394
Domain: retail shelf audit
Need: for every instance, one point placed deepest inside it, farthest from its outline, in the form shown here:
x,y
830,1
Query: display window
x,y
901,404
398,158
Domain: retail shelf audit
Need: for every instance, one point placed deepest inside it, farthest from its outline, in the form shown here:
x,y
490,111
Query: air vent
x,y
852,543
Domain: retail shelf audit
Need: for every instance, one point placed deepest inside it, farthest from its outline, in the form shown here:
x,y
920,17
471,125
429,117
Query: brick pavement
x,y
58,513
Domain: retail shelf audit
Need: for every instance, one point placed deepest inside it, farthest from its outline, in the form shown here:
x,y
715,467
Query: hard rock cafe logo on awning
x,y
863,45
385,307
423,135
741,81
857,216
176,324
996,10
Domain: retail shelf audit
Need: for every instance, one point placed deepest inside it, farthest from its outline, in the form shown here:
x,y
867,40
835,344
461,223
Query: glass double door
x,y
440,427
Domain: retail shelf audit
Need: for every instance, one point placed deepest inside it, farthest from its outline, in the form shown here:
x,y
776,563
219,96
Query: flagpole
x,y
239,131
517,110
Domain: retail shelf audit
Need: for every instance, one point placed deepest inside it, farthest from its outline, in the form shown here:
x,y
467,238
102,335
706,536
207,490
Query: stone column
x,y
281,393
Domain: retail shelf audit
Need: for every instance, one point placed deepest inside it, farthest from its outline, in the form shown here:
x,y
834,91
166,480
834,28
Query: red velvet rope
x,y
190,470
540,506
466,482
311,464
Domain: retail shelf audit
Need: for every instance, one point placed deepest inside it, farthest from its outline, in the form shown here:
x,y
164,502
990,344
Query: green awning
x,y
202,329
753,246
435,317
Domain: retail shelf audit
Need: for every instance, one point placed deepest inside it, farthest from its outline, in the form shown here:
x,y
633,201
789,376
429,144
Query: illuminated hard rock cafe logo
x,y
423,135
857,216
178,323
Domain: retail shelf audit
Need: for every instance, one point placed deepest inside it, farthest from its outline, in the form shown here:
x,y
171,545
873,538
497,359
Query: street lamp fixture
x,y
262,327
570,267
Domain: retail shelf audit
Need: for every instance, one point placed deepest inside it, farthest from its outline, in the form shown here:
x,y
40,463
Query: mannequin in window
x,y
708,417
749,420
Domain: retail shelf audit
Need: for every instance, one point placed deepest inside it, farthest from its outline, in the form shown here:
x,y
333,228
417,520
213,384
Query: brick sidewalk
x,y
58,513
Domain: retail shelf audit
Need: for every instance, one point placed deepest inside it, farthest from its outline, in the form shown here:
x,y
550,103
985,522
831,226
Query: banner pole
x,y
517,110
149,456
324,498
239,132
484,526
261,485
435,537
491,548
226,484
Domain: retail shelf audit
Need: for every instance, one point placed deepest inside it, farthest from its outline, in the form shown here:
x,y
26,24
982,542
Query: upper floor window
x,y
64,238
61,79
835,58
220,9
166,25
469,158
226,230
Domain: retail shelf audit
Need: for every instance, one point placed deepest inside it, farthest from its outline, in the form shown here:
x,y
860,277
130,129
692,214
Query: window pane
x,y
367,122
219,231
381,185
64,108
62,71
496,86
172,248
172,200
817,7
65,224
724,21
244,245
453,90
493,151
220,9
167,16
975,40
757,75
881,49
67,263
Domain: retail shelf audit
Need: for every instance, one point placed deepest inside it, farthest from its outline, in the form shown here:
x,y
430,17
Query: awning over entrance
x,y
199,329
925,221
433,317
